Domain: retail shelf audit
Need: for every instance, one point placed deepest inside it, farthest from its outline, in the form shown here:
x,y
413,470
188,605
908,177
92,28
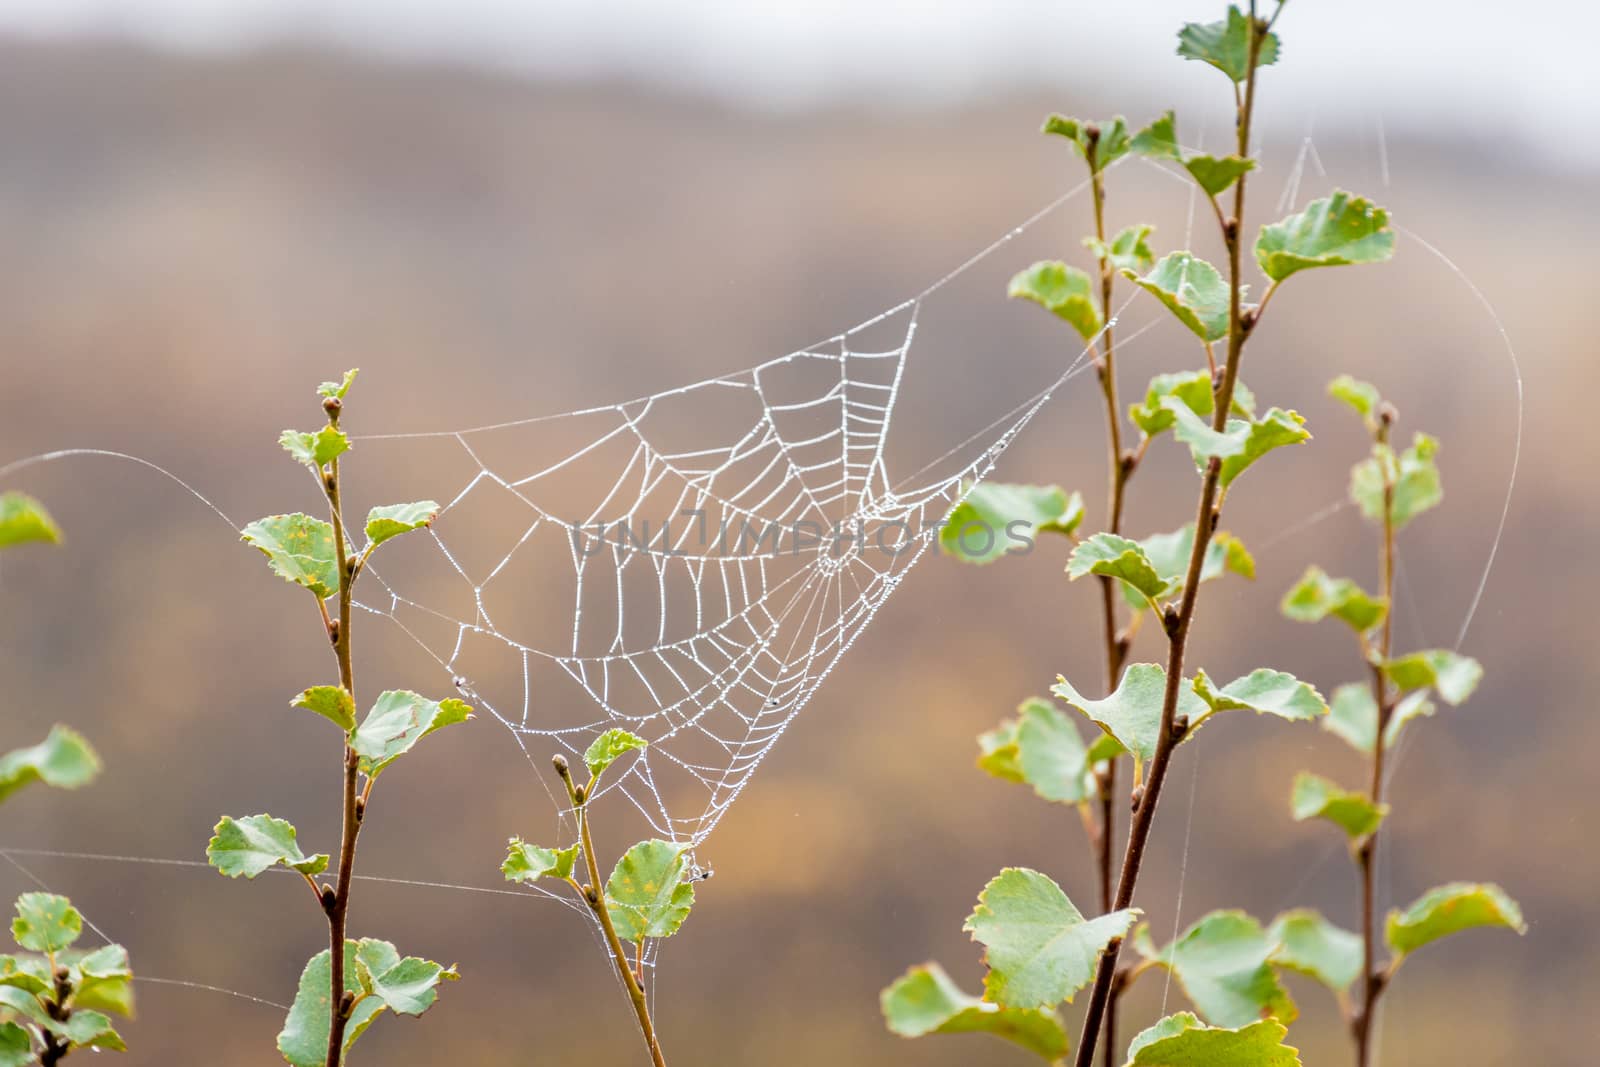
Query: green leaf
x,y
529,863
1332,232
1315,797
1129,249
332,702
1413,473
1169,555
1449,909
1193,388
1051,754
1353,715
246,847
608,748
398,720
340,388
396,519
1040,948
406,986
1119,558
1066,292
1132,714
304,1038
1243,441
101,979
90,1029
1183,1041
1316,596
1100,144
925,1001
998,754
16,1046
24,519
1192,290
1159,140
1313,946
646,892
31,974
1362,396
46,922
299,549
1222,964
63,759
994,518
1263,691
316,449
1451,675
1226,44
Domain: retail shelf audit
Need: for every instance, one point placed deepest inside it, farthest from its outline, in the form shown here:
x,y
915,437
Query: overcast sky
x,y
1468,67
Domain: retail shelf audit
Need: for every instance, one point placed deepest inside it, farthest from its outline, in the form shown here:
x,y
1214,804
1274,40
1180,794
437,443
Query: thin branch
x,y
1178,627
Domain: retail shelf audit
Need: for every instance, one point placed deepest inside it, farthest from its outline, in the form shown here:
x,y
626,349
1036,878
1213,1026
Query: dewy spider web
x,y
719,547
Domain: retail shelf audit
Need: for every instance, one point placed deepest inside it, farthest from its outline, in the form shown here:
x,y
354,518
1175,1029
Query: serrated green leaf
x,y
246,847
1449,909
1066,292
1183,1041
1353,715
1120,558
1039,947
31,974
997,752
396,519
332,702
1226,44
101,979
1099,151
1222,963
1243,441
925,1001
610,747
529,863
1159,140
1335,231
1316,596
46,922
996,518
396,722
1169,555
646,892
299,549
1263,691
1450,674
1051,754
1362,396
1192,290
24,519
1315,797
1414,474
1128,250
340,388
90,1029
16,1046
1311,945
1193,388
315,448
303,1041
63,759
1132,714
407,986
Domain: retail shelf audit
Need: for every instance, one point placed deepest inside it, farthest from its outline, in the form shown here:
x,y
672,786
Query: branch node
x,y
333,632
1136,798
1169,619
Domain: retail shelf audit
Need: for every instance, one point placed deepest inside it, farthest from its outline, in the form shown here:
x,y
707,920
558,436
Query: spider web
x,y
688,566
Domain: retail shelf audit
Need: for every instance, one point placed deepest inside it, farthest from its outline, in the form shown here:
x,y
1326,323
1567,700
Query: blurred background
x,y
500,210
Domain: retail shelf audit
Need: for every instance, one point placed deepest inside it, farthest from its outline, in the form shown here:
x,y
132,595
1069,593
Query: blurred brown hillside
x,y
190,245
